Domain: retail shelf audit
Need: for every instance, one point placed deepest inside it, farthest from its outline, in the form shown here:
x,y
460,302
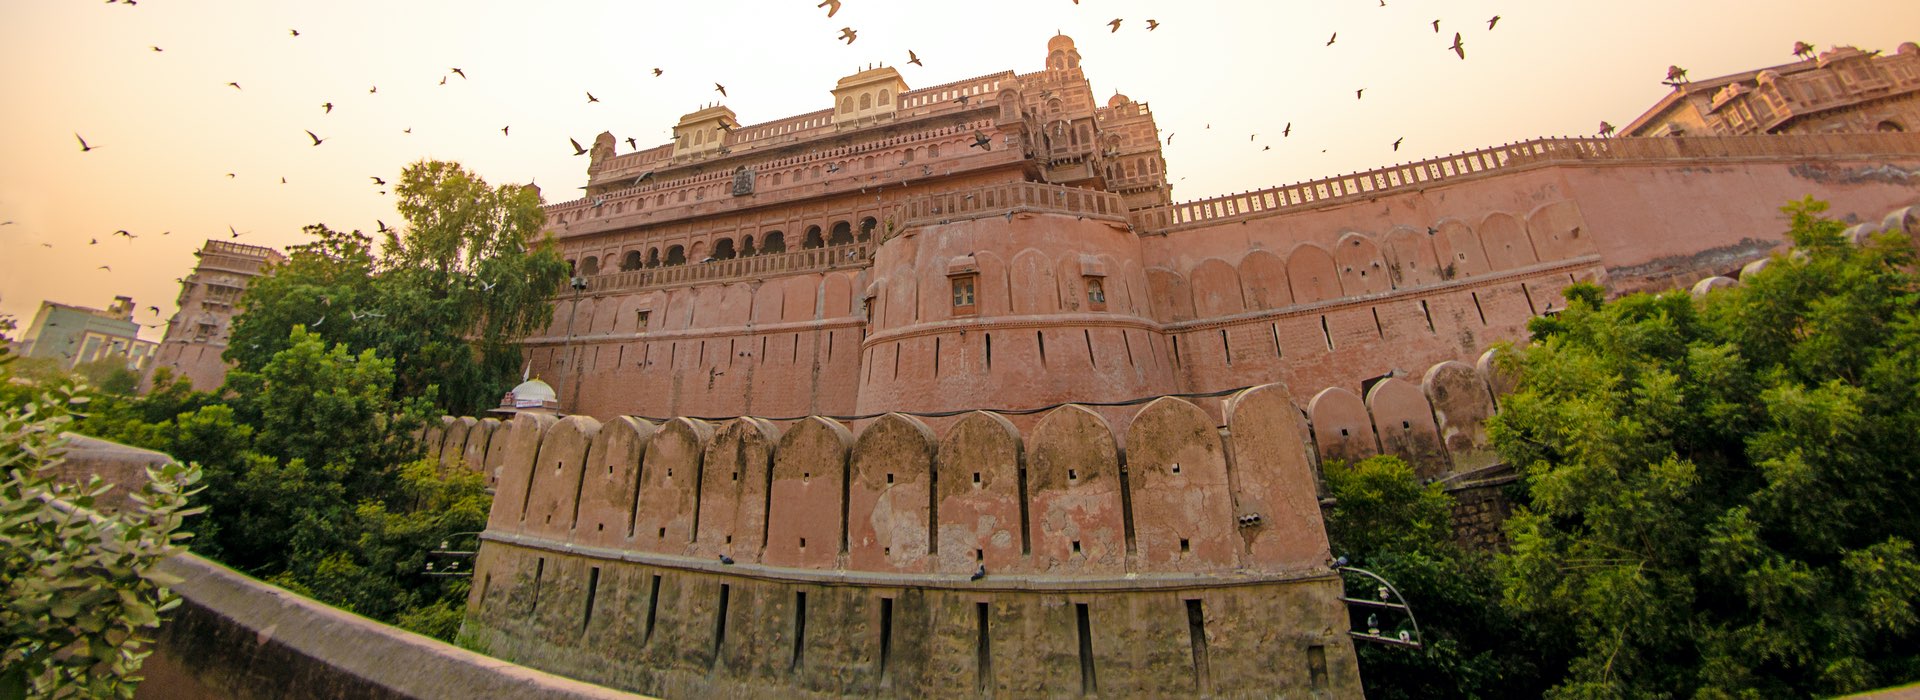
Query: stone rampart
x,y
697,558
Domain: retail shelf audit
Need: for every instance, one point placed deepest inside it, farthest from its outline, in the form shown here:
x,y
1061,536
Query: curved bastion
x,y
690,557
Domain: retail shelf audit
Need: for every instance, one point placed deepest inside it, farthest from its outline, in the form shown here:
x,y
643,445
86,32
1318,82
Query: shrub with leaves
x,y
79,590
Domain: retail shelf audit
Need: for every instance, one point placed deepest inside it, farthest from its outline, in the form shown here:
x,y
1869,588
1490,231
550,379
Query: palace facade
x,y
1010,242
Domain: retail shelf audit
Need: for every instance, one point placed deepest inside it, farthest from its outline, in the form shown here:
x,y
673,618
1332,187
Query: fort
x,y
938,389
1182,554
1008,242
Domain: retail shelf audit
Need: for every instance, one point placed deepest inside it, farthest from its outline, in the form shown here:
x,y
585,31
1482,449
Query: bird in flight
x,y
1331,39
1457,47
578,150
376,180
461,73
1495,20
631,144
154,309
1153,24
503,130
383,226
982,141
963,99
230,176
1357,94
1287,132
235,86
914,59
657,72
124,232
93,241
591,99
1606,129
722,89
833,6
1802,49
328,106
316,139
1169,139
373,89
1396,143
156,49
443,80
1436,26
104,267
1250,137
232,233
848,34
1676,75
1115,24
83,143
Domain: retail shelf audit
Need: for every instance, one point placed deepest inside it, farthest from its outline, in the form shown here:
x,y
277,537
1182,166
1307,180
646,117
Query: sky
x,y
1224,78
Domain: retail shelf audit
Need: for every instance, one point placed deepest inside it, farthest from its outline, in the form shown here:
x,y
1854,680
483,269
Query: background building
x,y
76,335
1842,90
197,334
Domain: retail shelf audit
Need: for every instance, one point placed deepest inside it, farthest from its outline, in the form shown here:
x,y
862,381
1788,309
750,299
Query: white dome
x,y
533,392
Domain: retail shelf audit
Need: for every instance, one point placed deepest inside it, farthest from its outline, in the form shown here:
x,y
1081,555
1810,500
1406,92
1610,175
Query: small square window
x,y
641,318
1096,291
963,291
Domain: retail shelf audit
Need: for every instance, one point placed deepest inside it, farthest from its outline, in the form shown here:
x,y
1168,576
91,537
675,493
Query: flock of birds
x,y
1675,76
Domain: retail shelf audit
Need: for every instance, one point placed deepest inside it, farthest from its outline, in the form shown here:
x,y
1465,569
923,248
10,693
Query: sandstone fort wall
x,y
1318,284
695,557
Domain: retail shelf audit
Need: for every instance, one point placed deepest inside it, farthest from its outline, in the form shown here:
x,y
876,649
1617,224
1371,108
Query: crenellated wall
x,y
698,558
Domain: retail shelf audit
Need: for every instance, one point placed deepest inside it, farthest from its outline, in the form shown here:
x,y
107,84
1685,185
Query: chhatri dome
x,y
531,396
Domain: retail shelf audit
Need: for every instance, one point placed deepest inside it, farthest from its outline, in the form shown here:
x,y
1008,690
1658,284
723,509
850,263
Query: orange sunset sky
x,y
1224,78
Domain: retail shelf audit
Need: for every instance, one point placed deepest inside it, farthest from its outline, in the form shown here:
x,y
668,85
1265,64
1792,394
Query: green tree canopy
x,y
446,297
1718,490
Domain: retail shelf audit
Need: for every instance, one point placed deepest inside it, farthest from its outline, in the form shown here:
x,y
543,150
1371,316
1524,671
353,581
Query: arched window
x,y
653,257
846,104
773,242
866,228
676,255
590,266
866,102
631,261
842,234
886,96
572,269
746,246
698,253
1053,106
813,239
723,249
933,151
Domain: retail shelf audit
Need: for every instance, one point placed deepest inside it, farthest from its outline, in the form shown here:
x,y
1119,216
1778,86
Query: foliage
x,y
109,375
313,479
1717,490
446,301
1385,521
78,591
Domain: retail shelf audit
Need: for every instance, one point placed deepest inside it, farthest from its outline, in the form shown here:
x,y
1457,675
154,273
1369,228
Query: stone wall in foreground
x,y
693,558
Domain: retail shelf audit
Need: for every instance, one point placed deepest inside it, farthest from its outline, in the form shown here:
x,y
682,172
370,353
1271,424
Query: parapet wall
x,y
689,557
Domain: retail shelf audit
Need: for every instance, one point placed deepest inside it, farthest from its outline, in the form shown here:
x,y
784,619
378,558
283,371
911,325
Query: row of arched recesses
x,y
769,243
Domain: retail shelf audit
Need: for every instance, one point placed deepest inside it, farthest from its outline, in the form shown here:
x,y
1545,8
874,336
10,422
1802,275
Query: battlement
x,y
983,558
1525,155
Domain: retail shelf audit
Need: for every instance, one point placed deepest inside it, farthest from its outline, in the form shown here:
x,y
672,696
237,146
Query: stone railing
x,y
1527,154
1013,197
768,167
756,266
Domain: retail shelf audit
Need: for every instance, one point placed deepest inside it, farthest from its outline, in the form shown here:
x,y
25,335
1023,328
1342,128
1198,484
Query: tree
x,y
1718,491
446,299
79,591
1385,521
